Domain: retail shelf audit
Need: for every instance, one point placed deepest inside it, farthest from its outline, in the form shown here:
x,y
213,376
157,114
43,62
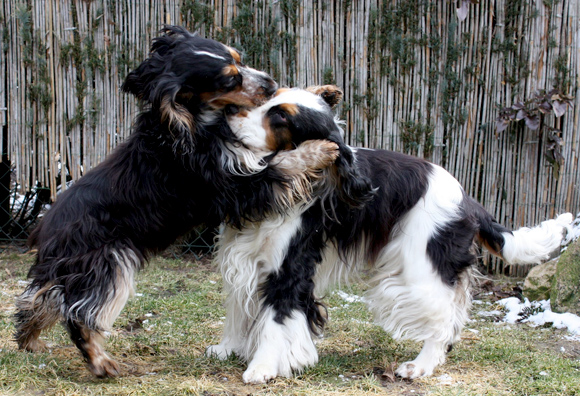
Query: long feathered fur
x,y
181,167
406,220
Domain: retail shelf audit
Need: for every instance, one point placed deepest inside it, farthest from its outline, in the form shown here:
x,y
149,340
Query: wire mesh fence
x,y
20,213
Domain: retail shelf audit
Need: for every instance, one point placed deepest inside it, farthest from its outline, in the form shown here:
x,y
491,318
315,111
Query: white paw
x,y
220,351
412,370
259,374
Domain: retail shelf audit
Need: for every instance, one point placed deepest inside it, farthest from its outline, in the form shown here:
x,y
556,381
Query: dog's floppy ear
x,y
153,83
330,93
354,188
148,80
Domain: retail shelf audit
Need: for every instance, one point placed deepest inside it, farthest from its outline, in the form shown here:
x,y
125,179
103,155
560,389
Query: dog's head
x,y
293,116
184,72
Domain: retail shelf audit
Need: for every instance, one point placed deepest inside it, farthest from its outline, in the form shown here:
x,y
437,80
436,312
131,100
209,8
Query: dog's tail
x,y
524,245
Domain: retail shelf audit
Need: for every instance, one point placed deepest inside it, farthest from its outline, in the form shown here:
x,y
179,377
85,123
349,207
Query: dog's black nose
x,y
270,87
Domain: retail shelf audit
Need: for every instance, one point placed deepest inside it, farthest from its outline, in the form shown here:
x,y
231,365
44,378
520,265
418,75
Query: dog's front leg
x,y
281,346
280,340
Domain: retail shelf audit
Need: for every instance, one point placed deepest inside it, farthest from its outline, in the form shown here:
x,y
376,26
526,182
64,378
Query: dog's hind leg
x,y
37,309
433,313
444,333
432,354
92,315
90,343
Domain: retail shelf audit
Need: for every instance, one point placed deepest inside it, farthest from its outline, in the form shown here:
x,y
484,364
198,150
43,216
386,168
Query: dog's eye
x,y
231,109
279,117
238,79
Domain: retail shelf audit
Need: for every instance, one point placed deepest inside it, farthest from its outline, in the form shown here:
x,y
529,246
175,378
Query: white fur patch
x,y
534,245
245,258
252,80
205,53
279,348
124,288
102,316
297,96
432,354
249,130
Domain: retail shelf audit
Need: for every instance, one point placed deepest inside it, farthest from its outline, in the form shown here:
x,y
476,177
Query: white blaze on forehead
x,y
299,97
205,53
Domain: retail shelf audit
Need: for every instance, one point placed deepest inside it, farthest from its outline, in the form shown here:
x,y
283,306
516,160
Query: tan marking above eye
x,y
290,108
235,54
281,91
235,97
230,70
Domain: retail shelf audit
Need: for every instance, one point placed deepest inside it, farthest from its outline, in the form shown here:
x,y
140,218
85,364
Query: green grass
x,y
161,335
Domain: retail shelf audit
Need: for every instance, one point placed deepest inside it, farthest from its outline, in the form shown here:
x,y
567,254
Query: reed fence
x,y
424,77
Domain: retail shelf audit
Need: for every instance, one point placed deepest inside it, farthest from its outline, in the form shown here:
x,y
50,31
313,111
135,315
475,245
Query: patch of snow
x,y
489,313
514,308
364,322
445,379
350,298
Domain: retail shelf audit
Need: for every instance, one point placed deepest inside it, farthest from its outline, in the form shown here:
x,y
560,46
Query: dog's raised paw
x,y
323,152
259,374
329,152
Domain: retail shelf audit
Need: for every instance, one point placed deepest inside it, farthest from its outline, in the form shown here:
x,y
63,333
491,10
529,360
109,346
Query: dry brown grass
x,y
160,338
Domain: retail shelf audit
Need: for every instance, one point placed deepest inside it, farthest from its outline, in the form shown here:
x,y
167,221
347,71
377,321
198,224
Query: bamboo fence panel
x,y
416,79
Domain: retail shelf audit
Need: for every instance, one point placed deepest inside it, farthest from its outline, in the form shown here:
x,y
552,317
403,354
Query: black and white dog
x,y
415,230
181,167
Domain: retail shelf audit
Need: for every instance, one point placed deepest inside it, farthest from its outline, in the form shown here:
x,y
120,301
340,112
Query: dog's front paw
x,y
412,370
220,351
259,374
34,345
331,94
319,154
104,367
